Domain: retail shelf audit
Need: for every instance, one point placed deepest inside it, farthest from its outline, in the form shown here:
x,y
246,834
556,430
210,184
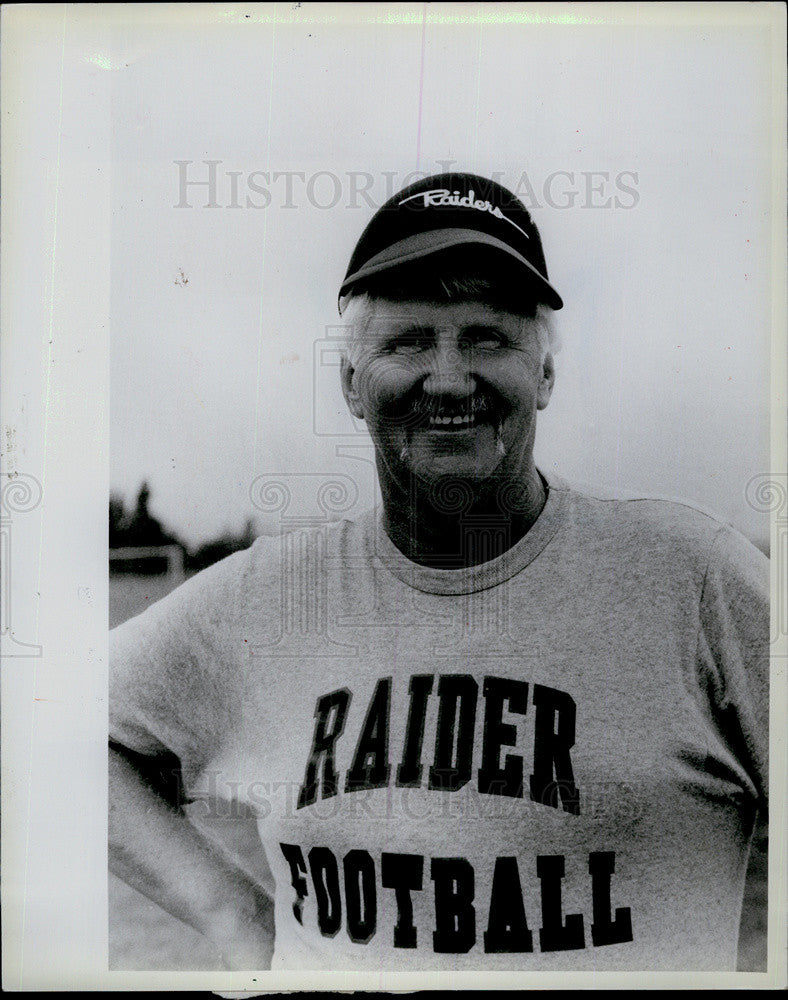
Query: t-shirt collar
x,y
486,574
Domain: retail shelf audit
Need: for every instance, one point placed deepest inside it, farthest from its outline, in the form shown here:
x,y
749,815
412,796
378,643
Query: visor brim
x,y
434,240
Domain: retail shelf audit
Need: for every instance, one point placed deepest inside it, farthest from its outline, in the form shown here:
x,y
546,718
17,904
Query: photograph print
x,y
440,489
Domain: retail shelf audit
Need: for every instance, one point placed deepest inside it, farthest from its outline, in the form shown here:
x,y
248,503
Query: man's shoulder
x,y
215,587
249,573
274,551
650,520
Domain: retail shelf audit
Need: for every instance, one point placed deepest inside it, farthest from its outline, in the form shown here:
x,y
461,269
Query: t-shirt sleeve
x,y
174,683
733,646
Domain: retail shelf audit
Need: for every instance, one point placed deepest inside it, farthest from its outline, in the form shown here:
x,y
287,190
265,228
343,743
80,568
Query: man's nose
x,y
449,370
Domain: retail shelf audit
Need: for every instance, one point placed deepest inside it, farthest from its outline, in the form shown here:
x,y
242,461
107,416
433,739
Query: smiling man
x,y
449,390
529,730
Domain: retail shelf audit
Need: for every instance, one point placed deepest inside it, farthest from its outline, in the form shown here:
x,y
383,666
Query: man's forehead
x,y
395,315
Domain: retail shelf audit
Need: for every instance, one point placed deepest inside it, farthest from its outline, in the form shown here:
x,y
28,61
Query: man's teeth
x,y
458,420
467,418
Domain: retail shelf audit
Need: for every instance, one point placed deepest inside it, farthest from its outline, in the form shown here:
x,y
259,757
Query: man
x,y
533,734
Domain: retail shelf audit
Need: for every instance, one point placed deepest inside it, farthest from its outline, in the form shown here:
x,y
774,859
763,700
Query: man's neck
x,y
451,526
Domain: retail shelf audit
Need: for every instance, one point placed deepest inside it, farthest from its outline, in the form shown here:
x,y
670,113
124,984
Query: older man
x,y
534,733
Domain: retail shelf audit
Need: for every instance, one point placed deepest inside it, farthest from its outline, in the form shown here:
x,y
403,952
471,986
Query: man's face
x,y
449,390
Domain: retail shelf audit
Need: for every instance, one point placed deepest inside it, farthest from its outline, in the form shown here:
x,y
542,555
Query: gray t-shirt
x,y
548,761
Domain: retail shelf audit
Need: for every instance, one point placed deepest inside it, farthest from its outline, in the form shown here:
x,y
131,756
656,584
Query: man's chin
x,y
475,470
473,454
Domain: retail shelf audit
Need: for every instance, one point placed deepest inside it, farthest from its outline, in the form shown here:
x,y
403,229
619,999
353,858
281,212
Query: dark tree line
x,y
136,527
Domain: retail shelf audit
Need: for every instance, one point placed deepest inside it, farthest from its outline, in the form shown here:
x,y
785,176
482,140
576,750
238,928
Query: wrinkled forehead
x,y
383,315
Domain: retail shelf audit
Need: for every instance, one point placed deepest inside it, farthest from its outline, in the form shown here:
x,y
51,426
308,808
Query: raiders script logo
x,y
440,197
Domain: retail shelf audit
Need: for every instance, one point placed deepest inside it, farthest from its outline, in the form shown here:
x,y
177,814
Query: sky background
x,y
223,319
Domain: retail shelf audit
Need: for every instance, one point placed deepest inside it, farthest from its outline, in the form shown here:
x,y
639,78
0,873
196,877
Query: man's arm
x,y
156,850
733,649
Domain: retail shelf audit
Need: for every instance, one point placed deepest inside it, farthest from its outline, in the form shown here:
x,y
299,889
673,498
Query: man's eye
x,y
483,337
409,344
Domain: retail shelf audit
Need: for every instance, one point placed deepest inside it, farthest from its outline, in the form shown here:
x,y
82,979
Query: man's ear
x,y
546,382
346,373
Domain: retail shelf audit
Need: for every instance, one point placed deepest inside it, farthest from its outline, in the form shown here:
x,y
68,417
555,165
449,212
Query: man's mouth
x,y
458,415
452,416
